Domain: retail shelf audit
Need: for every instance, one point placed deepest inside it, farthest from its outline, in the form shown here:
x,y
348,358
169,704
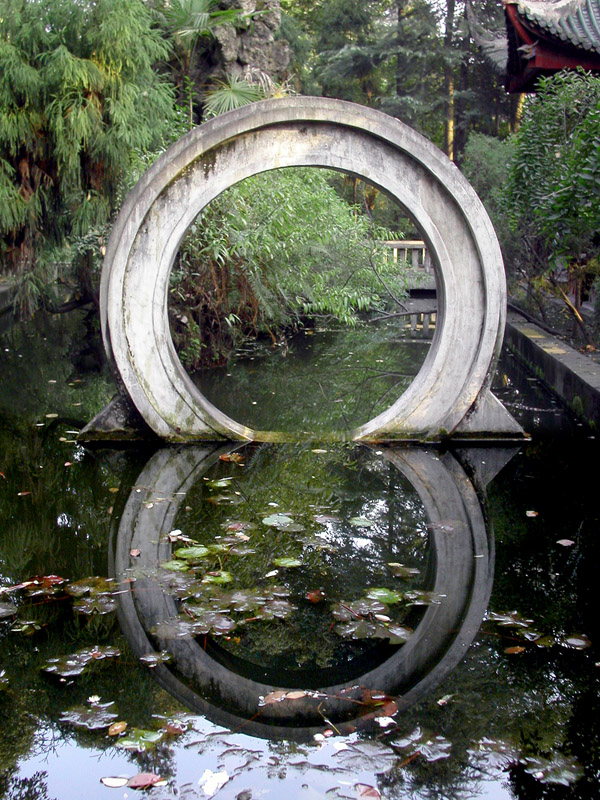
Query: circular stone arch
x,y
450,394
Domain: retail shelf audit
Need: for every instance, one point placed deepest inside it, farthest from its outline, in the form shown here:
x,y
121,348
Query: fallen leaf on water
x,y
211,782
51,416
273,697
364,790
531,513
576,641
116,782
361,522
23,494
511,651
443,701
117,727
144,780
565,542
315,596
235,458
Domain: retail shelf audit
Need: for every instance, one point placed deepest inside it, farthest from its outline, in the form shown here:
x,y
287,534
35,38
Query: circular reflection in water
x,y
349,517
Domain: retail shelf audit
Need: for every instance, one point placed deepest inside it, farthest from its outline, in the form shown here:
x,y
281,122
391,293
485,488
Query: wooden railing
x,y
421,314
413,252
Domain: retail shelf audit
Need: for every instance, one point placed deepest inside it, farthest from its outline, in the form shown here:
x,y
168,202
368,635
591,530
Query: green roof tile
x,y
576,22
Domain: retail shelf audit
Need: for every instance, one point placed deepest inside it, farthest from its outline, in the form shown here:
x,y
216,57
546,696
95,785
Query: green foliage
x,y
78,94
486,162
269,252
553,190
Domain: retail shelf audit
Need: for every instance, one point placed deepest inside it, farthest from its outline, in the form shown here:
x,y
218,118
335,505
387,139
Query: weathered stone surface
x,y
255,47
451,394
120,421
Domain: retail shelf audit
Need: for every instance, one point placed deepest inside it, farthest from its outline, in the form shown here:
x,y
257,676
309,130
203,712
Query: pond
x,y
318,618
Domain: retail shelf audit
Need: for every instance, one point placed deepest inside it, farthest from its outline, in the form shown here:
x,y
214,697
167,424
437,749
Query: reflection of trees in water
x,y
320,381
339,558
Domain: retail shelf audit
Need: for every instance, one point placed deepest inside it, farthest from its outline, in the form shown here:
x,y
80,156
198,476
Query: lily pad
x,y
218,577
140,740
576,641
402,571
45,585
429,746
154,659
93,717
95,604
287,562
387,596
361,522
558,769
192,553
7,610
278,521
76,663
175,565
93,585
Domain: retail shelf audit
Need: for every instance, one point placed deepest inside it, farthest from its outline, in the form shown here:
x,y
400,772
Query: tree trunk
x,y
449,80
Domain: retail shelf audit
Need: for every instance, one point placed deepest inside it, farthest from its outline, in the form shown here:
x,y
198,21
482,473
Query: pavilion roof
x,y
541,37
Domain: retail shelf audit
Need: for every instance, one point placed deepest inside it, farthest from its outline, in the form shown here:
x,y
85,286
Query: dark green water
x,y
494,693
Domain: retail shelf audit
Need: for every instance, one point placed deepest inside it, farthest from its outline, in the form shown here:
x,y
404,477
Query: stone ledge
x,y
574,377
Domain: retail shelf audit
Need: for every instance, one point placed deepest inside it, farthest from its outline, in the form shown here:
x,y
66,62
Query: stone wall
x,y
255,47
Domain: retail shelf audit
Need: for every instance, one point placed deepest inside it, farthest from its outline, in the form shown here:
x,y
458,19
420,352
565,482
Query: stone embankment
x,y
571,375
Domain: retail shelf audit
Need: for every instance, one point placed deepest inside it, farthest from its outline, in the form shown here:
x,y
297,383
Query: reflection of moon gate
x,y
464,573
449,396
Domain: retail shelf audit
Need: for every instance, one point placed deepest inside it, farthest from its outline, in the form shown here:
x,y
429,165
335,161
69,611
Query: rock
x,y
255,47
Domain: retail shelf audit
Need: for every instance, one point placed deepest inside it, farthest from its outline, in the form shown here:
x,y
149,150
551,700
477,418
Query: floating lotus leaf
x,y
176,565
374,757
362,522
402,571
45,585
220,483
558,769
154,659
287,562
496,753
76,663
387,596
510,619
357,608
429,746
95,604
276,609
576,641
208,621
140,740
218,577
92,717
7,610
417,597
26,626
278,521
192,553
93,585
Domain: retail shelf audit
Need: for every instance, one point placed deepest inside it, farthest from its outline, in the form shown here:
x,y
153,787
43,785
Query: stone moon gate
x,y
450,396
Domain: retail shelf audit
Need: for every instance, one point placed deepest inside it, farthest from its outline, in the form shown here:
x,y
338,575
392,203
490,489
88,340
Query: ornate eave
x,y
545,37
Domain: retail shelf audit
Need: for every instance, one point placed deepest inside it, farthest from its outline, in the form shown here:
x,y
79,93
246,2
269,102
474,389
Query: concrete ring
x,y
450,392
